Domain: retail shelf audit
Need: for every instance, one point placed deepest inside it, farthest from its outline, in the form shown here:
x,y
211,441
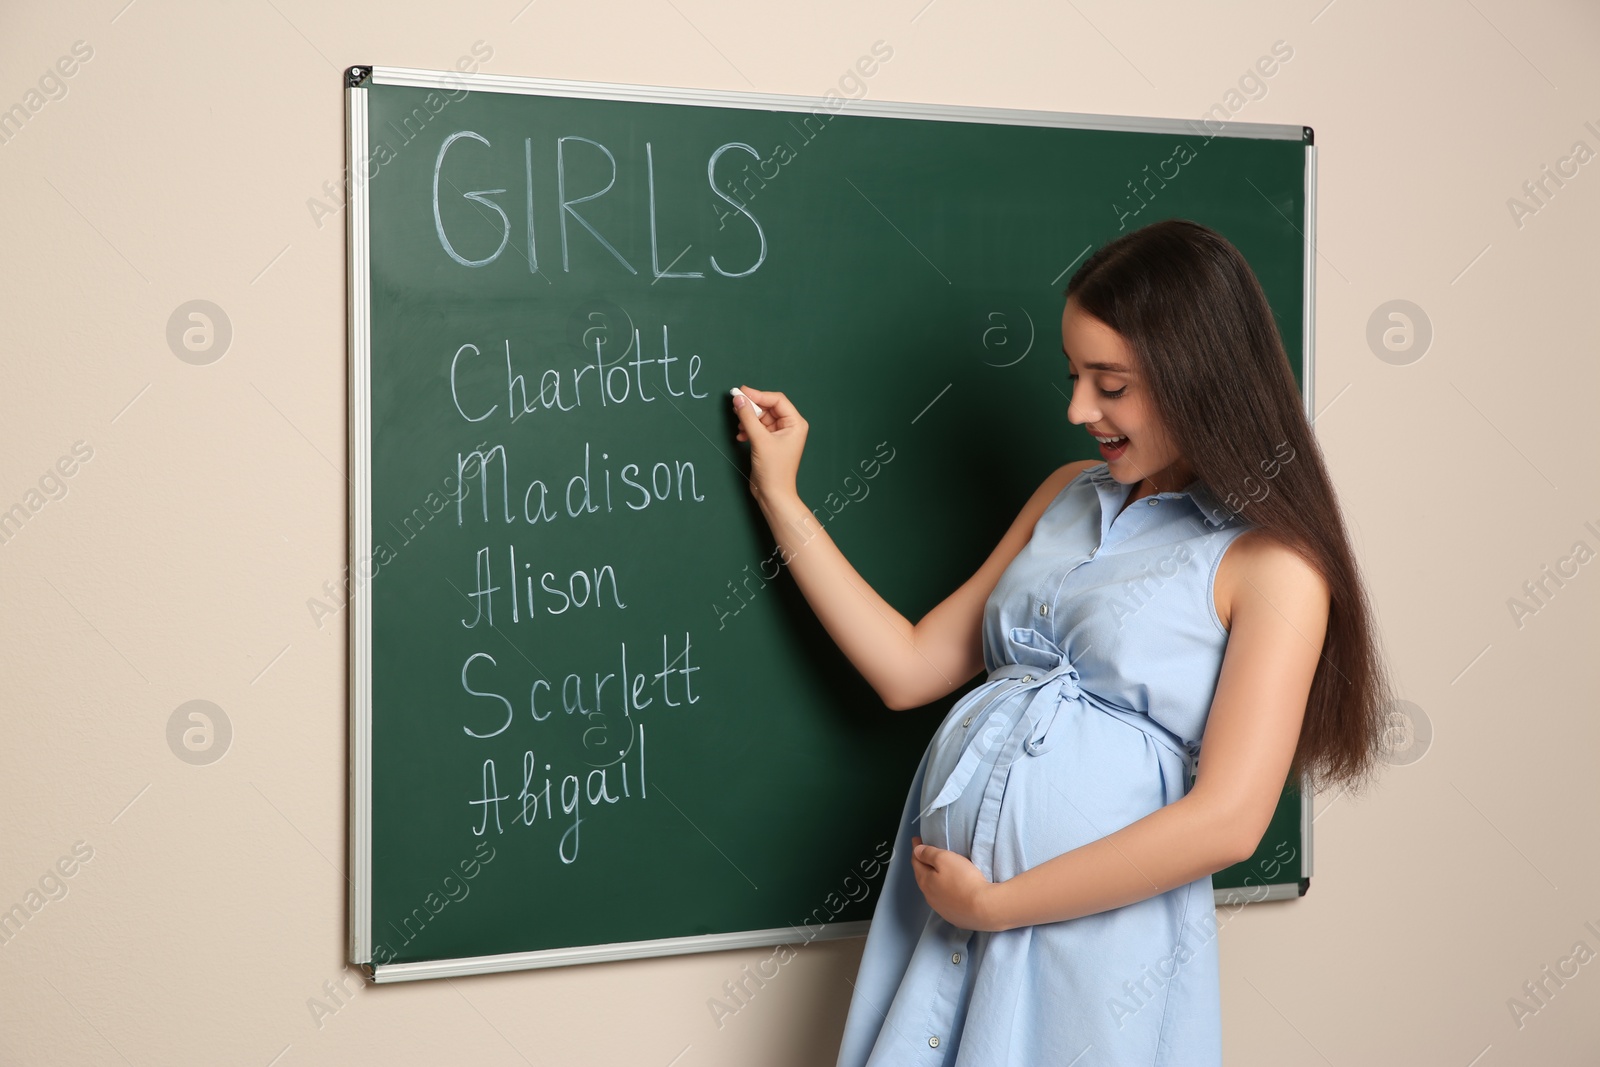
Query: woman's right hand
x,y
776,440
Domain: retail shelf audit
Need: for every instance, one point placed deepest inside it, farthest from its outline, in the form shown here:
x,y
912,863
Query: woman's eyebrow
x,y
1102,365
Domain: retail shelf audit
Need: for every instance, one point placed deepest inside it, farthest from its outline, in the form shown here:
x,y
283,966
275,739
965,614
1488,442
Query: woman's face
x,y
1109,399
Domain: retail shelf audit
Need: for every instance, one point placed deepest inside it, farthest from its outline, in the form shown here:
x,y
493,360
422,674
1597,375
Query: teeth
x,y
1109,440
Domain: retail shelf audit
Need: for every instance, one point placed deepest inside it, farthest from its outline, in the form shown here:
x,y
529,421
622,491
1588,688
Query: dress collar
x,y
1204,500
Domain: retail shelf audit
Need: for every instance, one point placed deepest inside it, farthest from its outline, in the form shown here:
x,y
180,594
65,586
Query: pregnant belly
x,y
1099,774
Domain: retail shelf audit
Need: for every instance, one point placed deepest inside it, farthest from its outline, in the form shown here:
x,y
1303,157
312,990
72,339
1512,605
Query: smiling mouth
x,y
1111,447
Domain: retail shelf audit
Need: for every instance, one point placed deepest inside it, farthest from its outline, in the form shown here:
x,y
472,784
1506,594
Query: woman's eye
x,y
1109,394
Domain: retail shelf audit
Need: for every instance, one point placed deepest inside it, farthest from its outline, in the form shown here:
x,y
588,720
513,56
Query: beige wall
x,y
177,566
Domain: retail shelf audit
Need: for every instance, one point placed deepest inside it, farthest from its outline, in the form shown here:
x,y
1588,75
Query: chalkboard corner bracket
x,y
357,77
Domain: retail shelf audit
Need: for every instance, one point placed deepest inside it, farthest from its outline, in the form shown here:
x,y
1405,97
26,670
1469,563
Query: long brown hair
x,y
1187,303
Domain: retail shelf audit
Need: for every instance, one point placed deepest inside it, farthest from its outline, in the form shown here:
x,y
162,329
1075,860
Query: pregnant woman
x,y
1049,898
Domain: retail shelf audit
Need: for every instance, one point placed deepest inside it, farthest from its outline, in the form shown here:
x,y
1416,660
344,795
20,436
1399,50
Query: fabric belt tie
x,y
1000,739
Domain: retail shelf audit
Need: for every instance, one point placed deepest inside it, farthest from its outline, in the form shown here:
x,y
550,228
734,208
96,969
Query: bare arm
x,y
907,665
1279,618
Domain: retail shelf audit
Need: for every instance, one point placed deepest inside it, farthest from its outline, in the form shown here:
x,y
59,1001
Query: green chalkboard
x,y
591,716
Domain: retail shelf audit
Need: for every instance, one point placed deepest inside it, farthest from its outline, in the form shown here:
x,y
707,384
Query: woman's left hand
x,y
954,887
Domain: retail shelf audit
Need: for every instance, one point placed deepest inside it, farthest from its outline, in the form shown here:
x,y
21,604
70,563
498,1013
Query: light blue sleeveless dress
x,y
1103,649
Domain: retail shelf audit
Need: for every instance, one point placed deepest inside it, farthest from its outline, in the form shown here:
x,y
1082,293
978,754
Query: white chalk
x,y
754,407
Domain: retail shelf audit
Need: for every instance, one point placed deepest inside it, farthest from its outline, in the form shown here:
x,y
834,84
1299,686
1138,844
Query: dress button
x,y
955,957
967,721
1044,609
1027,677
933,1042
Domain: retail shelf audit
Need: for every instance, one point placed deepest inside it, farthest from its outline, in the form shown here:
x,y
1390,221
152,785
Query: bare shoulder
x,y
1071,470
1058,479
1065,474
1051,487
1264,569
